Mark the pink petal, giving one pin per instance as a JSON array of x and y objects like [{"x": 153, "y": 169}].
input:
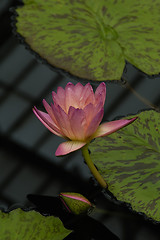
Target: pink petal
[
  {"x": 47, "y": 121},
  {"x": 50, "y": 112},
  {"x": 78, "y": 122},
  {"x": 101, "y": 93},
  {"x": 78, "y": 89},
  {"x": 69, "y": 146},
  {"x": 59, "y": 98},
  {"x": 70, "y": 97},
  {"x": 69, "y": 85},
  {"x": 110, "y": 127},
  {"x": 88, "y": 95},
  {"x": 63, "y": 121},
  {"x": 94, "y": 123},
  {"x": 91, "y": 111}
]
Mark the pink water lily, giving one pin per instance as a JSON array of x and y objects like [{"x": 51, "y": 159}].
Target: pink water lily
[{"x": 76, "y": 115}]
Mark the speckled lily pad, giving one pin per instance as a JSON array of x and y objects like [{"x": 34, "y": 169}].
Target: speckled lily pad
[
  {"x": 92, "y": 39},
  {"x": 129, "y": 161},
  {"x": 30, "y": 225}
]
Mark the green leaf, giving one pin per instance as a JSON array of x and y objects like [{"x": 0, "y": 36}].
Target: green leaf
[
  {"x": 31, "y": 225},
  {"x": 129, "y": 161},
  {"x": 92, "y": 39}
]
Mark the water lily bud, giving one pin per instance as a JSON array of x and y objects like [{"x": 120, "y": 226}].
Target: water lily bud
[{"x": 75, "y": 203}]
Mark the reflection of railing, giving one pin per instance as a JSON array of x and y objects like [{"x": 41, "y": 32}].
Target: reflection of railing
[
  {"x": 24, "y": 83},
  {"x": 27, "y": 162},
  {"x": 23, "y": 172}
]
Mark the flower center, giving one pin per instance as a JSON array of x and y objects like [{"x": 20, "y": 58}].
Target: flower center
[{"x": 106, "y": 32}]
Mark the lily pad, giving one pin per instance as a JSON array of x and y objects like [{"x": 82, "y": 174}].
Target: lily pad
[
  {"x": 129, "y": 161},
  {"x": 92, "y": 39},
  {"x": 30, "y": 225}
]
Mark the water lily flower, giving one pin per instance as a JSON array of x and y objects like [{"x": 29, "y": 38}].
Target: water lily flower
[{"x": 76, "y": 115}]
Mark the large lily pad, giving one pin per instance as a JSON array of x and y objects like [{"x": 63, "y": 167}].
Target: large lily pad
[
  {"x": 92, "y": 39},
  {"x": 31, "y": 225},
  {"x": 129, "y": 161}
]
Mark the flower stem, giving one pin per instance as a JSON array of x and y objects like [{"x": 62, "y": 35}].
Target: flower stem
[
  {"x": 142, "y": 99},
  {"x": 92, "y": 168}
]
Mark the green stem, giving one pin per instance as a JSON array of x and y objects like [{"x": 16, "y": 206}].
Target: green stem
[
  {"x": 91, "y": 166},
  {"x": 142, "y": 99}
]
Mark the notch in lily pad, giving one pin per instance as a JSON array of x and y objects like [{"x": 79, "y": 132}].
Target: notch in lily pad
[{"x": 90, "y": 39}]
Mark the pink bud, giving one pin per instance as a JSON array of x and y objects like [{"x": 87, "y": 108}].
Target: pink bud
[{"x": 75, "y": 203}]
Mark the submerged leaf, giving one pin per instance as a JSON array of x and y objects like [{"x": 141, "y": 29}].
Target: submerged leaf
[
  {"x": 129, "y": 161},
  {"x": 31, "y": 225},
  {"x": 92, "y": 39}
]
